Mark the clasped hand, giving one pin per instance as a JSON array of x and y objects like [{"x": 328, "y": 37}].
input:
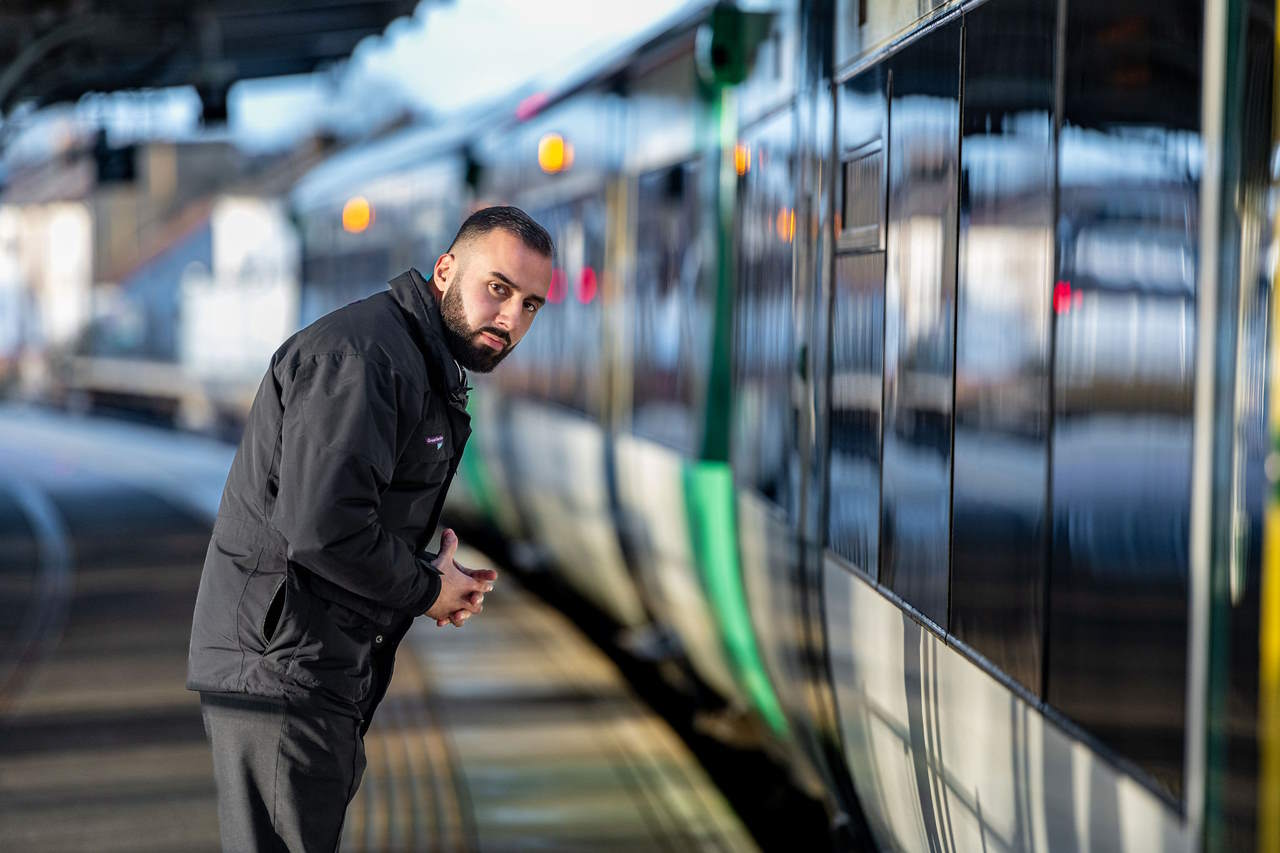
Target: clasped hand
[{"x": 461, "y": 589}]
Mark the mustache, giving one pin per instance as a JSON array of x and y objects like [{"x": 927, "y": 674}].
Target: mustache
[{"x": 497, "y": 333}]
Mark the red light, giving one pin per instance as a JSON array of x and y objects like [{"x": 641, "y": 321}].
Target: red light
[
  {"x": 530, "y": 106},
  {"x": 559, "y": 285},
  {"x": 1062, "y": 297},
  {"x": 587, "y": 285}
]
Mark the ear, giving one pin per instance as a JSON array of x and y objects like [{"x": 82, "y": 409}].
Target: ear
[{"x": 443, "y": 271}]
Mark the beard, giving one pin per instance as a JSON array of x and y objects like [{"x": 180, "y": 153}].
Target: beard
[{"x": 461, "y": 338}]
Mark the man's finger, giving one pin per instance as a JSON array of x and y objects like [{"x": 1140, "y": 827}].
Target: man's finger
[
  {"x": 481, "y": 576},
  {"x": 448, "y": 546}
]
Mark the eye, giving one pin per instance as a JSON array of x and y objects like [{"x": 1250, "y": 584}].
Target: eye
[
  {"x": 498, "y": 289},
  {"x": 531, "y": 307}
]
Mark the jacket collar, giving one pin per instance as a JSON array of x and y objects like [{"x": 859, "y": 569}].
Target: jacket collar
[{"x": 415, "y": 297}]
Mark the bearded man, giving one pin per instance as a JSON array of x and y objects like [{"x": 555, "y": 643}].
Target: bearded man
[{"x": 316, "y": 567}]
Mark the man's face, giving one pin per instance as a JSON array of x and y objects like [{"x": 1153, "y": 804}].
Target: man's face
[{"x": 492, "y": 286}]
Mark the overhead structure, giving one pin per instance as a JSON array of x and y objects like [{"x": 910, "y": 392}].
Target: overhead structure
[{"x": 57, "y": 50}]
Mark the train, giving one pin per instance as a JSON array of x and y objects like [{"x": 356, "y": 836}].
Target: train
[{"x": 908, "y": 375}]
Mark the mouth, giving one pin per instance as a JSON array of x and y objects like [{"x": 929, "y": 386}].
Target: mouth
[{"x": 492, "y": 341}]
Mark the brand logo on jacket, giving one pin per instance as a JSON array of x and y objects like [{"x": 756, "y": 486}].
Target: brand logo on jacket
[{"x": 437, "y": 440}]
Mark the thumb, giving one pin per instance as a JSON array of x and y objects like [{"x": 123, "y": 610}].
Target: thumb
[{"x": 448, "y": 546}]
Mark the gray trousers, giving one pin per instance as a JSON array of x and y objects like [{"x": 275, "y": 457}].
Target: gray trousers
[{"x": 285, "y": 773}]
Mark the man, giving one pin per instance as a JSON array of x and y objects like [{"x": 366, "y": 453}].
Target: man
[{"x": 316, "y": 567}]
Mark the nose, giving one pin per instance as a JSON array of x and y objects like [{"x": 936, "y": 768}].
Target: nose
[{"x": 508, "y": 317}]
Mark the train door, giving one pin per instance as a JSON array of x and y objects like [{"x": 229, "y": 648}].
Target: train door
[
  {"x": 555, "y": 436},
  {"x": 672, "y": 324},
  {"x": 764, "y": 433},
  {"x": 782, "y": 160}
]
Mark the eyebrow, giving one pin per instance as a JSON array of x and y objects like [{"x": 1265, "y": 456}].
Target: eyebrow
[{"x": 511, "y": 284}]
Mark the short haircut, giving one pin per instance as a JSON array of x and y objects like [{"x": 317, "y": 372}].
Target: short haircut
[{"x": 511, "y": 219}]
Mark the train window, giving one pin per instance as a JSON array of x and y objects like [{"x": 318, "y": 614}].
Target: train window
[
  {"x": 334, "y": 279},
  {"x": 1124, "y": 314},
  {"x": 670, "y": 308},
  {"x": 857, "y": 351},
  {"x": 999, "y": 545},
  {"x": 857, "y": 325},
  {"x": 919, "y": 303},
  {"x": 764, "y": 342},
  {"x": 861, "y": 223},
  {"x": 559, "y": 363}
]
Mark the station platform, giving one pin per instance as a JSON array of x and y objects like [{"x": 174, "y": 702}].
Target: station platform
[
  {"x": 515, "y": 733},
  {"x": 511, "y": 733}
]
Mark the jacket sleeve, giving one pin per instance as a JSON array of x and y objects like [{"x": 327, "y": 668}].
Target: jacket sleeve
[{"x": 338, "y": 445}]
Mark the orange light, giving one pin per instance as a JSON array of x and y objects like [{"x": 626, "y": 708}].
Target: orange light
[
  {"x": 742, "y": 158},
  {"x": 554, "y": 154},
  {"x": 785, "y": 224},
  {"x": 357, "y": 215}
]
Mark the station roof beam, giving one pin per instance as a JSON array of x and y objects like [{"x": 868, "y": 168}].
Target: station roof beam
[{"x": 57, "y": 50}]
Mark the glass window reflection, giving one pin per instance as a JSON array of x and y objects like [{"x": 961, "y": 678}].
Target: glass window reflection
[
  {"x": 560, "y": 363},
  {"x": 1002, "y": 337},
  {"x": 920, "y": 278},
  {"x": 764, "y": 358},
  {"x": 857, "y": 324},
  {"x": 853, "y": 522},
  {"x": 669, "y": 308},
  {"x": 1124, "y": 312}
]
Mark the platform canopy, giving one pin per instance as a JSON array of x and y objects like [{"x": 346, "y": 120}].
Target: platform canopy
[{"x": 57, "y": 50}]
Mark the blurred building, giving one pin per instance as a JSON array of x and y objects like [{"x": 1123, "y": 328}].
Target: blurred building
[{"x": 158, "y": 276}]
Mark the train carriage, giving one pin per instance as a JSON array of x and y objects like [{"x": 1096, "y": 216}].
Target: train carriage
[{"x": 906, "y": 374}]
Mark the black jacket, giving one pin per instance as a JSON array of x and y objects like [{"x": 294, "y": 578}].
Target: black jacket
[{"x": 316, "y": 566}]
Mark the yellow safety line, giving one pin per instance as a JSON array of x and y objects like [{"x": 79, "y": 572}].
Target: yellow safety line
[{"x": 1269, "y": 609}]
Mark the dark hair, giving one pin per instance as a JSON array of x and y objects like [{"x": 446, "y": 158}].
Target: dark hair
[{"x": 511, "y": 219}]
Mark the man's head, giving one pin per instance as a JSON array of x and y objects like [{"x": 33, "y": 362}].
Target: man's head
[{"x": 492, "y": 281}]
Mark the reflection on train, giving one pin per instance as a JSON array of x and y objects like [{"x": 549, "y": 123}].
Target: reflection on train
[{"x": 868, "y": 386}]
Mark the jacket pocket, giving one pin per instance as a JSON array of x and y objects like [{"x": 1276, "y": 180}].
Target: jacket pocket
[
  {"x": 425, "y": 462},
  {"x": 275, "y": 607},
  {"x": 334, "y": 653},
  {"x": 261, "y": 587}
]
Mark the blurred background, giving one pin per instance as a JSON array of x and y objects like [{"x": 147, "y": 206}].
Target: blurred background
[{"x": 150, "y": 255}]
